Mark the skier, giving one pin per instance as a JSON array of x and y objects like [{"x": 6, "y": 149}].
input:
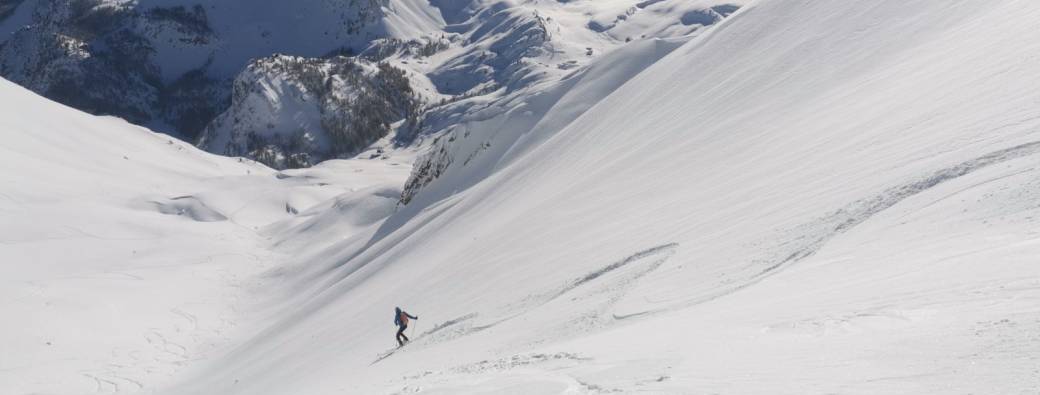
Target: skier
[{"x": 401, "y": 320}]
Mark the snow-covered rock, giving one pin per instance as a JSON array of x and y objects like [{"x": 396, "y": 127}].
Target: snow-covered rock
[
  {"x": 526, "y": 75},
  {"x": 295, "y": 112},
  {"x": 170, "y": 65},
  {"x": 180, "y": 66}
]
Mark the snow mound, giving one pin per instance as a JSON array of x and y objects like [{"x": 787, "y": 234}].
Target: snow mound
[{"x": 189, "y": 207}]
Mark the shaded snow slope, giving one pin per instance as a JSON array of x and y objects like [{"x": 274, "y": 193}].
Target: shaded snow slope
[
  {"x": 497, "y": 133},
  {"x": 518, "y": 70},
  {"x": 223, "y": 36},
  {"x": 247, "y": 31},
  {"x": 808, "y": 198}
]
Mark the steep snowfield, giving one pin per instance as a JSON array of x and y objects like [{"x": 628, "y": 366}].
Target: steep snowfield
[
  {"x": 500, "y": 131},
  {"x": 534, "y": 68},
  {"x": 808, "y": 197}
]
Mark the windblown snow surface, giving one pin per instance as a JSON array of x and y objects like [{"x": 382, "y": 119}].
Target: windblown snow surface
[{"x": 809, "y": 197}]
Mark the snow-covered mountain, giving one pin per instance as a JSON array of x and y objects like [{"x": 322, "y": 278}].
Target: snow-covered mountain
[
  {"x": 170, "y": 64},
  {"x": 295, "y": 112},
  {"x": 215, "y": 69},
  {"x": 802, "y": 197}
]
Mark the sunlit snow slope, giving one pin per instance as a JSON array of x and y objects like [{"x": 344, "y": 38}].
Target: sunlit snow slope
[
  {"x": 127, "y": 255},
  {"x": 810, "y": 197}
]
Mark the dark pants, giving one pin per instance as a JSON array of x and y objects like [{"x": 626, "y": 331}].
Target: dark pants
[{"x": 400, "y": 334}]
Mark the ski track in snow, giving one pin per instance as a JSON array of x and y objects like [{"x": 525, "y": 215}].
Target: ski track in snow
[
  {"x": 489, "y": 367},
  {"x": 664, "y": 249},
  {"x": 532, "y": 303},
  {"x": 860, "y": 211},
  {"x": 817, "y": 233},
  {"x": 501, "y": 364},
  {"x": 661, "y": 252},
  {"x": 109, "y": 382}
]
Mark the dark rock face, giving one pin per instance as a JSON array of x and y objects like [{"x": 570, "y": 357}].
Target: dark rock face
[{"x": 7, "y": 7}]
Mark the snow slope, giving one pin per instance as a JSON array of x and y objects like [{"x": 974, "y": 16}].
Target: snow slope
[
  {"x": 808, "y": 198},
  {"x": 126, "y": 254}
]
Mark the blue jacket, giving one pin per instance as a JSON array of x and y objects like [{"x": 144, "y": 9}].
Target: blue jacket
[{"x": 399, "y": 317}]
